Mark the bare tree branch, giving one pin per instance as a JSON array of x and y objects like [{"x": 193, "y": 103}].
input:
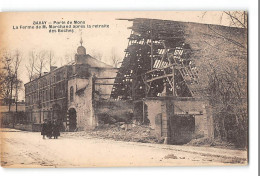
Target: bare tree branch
[
  {"x": 233, "y": 17},
  {"x": 228, "y": 39}
]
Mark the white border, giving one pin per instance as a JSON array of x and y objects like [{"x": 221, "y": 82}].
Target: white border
[{"x": 119, "y": 5}]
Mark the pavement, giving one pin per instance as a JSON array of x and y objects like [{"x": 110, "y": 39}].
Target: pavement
[{"x": 29, "y": 150}]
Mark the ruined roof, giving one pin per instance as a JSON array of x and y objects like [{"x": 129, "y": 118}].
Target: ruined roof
[
  {"x": 200, "y": 43},
  {"x": 172, "y": 30}
]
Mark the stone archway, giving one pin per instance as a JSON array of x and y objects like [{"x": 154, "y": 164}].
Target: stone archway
[{"x": 72, "y": 121}]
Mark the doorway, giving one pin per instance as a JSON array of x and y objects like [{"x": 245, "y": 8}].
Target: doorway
[
  {"x": 182, "y": 128},
  {"x": 72, "y": 122}
]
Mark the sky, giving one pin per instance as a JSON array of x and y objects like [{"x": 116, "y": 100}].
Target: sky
[{"x": 95, "y": 40}]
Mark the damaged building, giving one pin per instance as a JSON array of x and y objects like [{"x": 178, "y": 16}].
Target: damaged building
[
  {"x": 66, "y": 93},
  {"x": 159, "y": 74},
  {"x": 158, "y": 84}
]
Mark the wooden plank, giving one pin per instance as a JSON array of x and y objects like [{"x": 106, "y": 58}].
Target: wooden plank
[
  {"x": 159, "y": 77},
  {"x": 103, "y": 84},
  {"x": 108, "y": 78}
]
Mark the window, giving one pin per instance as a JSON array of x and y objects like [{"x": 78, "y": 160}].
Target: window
[
  {"x": 71, "y": 93},
  {"x": 40, "y": 96},
  {"x": 35, "y": 97},
  {"x": 47, "y": 97},
  {"x": 55, "y": 92},
  {"x": 52, "y": 93},
  {"x": 58, "y": 76}
]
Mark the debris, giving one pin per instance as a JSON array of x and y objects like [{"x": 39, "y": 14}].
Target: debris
[
  {"x": 127, "y": 132},
  {"x": 171, "y": 156}
]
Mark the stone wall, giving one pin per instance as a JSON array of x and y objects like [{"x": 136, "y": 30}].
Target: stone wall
[
  {"x": 19, "y": 121},
  {"x": 82, "y": 102},
  {"x": 13, "y": 118},
  {"x": 86, "y": 92},
  {"x": 154, "y": 112},
  {"x": 25, "y": 127},
  {"x": 179, "y": 121}
]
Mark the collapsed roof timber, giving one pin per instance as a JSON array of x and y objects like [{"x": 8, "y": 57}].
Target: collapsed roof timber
[{"x": 161, "y": 55}]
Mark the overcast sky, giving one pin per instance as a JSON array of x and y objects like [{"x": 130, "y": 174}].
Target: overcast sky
[{"x": 94, "y": 40}]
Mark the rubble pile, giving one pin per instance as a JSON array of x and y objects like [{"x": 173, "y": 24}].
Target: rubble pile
[{"x": 126, "y": 132}]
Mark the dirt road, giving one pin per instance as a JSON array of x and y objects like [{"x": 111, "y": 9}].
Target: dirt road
[{"x": 28, "y": 149}]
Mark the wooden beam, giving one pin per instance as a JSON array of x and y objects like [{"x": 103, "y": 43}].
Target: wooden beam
[
  {"x": 107, "y": 78},
  {"x": 103, "y": 84},
  {"x": 160, "y": 69},
  {"x": 159, "y": 77}
]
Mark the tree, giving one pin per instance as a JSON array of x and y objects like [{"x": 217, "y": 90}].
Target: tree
[
  {"x": 17, "y": 82},
  {"x": 225, "y": 69},
  {"x": 52, "y": 62},
  {"x": 228, "y": 97},
  {"x": 30, "y": 66},
  {"x": 9, "y": 76},
  {"x": 41, "y": 60},
  {"x": 97, "y": 55},
  {"x": 114, "y": 57},
  {"x": 237, "y": 18},
  {"x": 68, "y": 58},
  {"x": 37, "y": 63}
]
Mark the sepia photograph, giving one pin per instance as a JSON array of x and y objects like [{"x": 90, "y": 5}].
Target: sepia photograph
[{"x": 124, "y": 89}]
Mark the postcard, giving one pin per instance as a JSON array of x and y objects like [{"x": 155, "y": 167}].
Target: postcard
[{"x": 124, "y": 89}]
